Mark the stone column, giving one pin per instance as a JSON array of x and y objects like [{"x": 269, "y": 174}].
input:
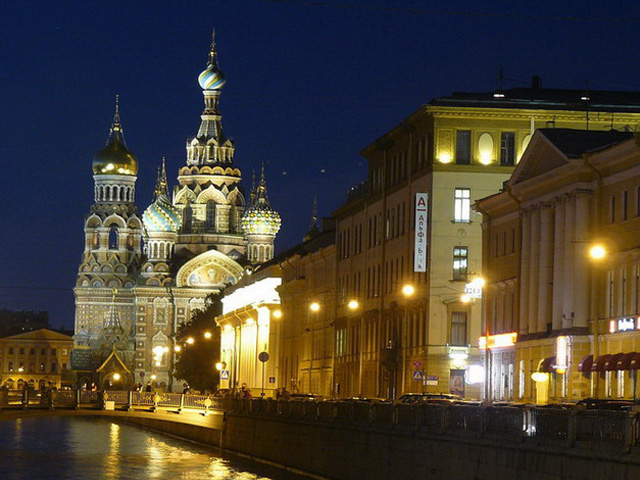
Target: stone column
[
  {"x": 525, "y": 219},
  {"x": 569, "y": 274},
  {"x": 558, "y": 265},
  {"x": 546, "y": 268},
  {"x": 534, "y": 270},
  {"x": 581, "y": 260}
]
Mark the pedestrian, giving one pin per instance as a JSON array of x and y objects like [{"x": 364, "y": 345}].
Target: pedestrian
[
  {"x": 148, "y": 387},
  {"x": 185, "y": 389}
]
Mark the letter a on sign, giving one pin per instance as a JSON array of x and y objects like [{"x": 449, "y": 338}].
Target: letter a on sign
[{"x": 420, "y": 239}]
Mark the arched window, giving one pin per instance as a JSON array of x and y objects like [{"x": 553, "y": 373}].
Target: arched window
[
  {"x": 113, "y": 238},
  {"x": 211, "y": 215}
]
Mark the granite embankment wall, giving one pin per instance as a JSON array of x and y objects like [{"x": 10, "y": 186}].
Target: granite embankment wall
[{"x": 339, "y": 452}]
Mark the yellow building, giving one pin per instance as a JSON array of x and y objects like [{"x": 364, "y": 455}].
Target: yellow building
[
  {"x": 575, "y": 309},
  {"x": 39, "y": 358},
  {"x": 448, "y": 154},
  {"x": 282, "y": 309}
]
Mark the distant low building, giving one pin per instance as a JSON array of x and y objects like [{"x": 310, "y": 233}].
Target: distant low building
[
  {"x": 13, "y": 322},
  {"x": 41, "y": 358}
]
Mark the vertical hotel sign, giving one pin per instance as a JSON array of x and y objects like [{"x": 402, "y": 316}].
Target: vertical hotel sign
[{"x": 420, "y": 239}]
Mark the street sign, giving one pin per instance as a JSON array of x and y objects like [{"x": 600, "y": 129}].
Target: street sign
[
  {"x": 141, "y": 374},
  {"x": 417, "y": 375},
  {"x": 263, "y": 357},
  {"x": 417, "y": 364},
  {"x": 224, "y": 374},
  {"x": 272, "y": 379},
  {"x": 431, "y": 380}
]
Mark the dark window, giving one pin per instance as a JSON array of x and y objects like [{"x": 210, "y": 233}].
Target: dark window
[
  {"x": 460, "y": 263},
  {"x": 21, "y": 351},
  {"x": 53, "y": 352},
  {"x": 463, "y": 147},
  {"x": 507, "y": 148},
  {"x": 43, "y": 351},
  {"x": 459, "y": 328},
  {"x": 54, "y": 367},
  {"x": 11, "y": 351},
  {"x": 211, "y": 215},
  {"x": 612, "y": 209},
  {"x": 113, "y": 238},
  {"x": 32, "y": 351},
  {"x": 625, "y": 205}
]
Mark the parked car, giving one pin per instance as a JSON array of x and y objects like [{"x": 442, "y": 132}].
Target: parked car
[
  {"x": 305, "y": 396},
  {"x": 605, "y": 404},
  {"x": 441, "y": 398}
]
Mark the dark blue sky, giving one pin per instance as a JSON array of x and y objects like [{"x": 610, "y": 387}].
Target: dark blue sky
[{"x": 309, "y": 84}]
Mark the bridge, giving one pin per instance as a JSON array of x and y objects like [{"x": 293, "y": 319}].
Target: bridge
[{"x": 340, "y": 439}]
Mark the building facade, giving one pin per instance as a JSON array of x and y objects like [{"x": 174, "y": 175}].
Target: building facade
[
  {"x": 285, "y": 309},
  {"x": 411, "y": 224},
  {"x": 146, "y": 274},
  {"x": 38, "y": 359},
  {"x": 574, "y": 308}
]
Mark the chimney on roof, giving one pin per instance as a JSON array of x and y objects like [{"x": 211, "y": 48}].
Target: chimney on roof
[{"x": 536, "y": 82}]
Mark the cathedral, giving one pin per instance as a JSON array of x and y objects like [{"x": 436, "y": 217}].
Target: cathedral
[{"x": 141, "y": 276}]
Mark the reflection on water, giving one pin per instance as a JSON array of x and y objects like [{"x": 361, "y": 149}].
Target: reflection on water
[{"x": 91, "y": 449}]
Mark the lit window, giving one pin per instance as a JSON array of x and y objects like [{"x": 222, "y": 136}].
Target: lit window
[
  {"x": 460, "y": 262},
  {"x": 462, "y": 205}
]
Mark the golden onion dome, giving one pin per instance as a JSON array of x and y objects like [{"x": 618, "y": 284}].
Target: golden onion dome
[{"x": 115, "y": 159}]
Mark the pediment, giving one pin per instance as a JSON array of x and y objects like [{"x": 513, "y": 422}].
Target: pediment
[
  {"x": 212, "y": 270},
  {"x": 540, "y": 157}
]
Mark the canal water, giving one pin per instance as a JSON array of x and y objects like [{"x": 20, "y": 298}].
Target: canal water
[{"x": 88, "y": 448}]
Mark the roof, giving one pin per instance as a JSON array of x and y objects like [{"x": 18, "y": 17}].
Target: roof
[
  {"x": 547, "y": 99},
  {"x": 575, "y": 143},
  {"x": 42, "y": 334}
]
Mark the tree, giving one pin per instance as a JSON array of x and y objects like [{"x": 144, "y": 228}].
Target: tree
[{"x": 195, "y": 362}]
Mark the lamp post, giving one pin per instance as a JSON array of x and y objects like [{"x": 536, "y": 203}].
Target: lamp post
[
  {"x": 314, "y": 307},
  {"x": 597, "y": 253},
  {"x": 407, "y": 291}
]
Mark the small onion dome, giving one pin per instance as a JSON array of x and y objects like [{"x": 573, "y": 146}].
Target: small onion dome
[
  {"x": 115, "y": 159},
  {"x": 261, "y": 220},
  {"x": 161, "y": 216},
  {"x": 212, "y": 78}
]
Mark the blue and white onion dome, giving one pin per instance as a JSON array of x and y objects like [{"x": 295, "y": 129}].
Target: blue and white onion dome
[
  {"x": 161, "y": 216},
  {"x": 260, "y": 219},
  {"x": 212, "y": 77}
]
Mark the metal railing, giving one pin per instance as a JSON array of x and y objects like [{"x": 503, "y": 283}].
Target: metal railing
[
  {"x": 577, "y": 428},
  {"x": 108, "y": 399}
]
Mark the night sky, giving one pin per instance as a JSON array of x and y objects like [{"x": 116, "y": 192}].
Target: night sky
[{"x": 309, "y": 84}]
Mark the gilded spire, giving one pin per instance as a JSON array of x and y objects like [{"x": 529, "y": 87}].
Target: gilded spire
[
  {"x": 252, "y": 195},
  {"x": 161, "y": 182},
  {"x": 261, "y": 192},
  {"x": 116, "y": 125},
  {"x": 212, "y": 51}
]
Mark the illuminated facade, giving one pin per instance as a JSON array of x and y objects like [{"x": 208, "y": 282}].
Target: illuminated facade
[
  {"x": 39, "y": 359},
  {"x": 270, "y": 311},
  {"x": 156, "y": 269},
  {"x": 575, "y": 314},
  {"x": 455, "y": 150}
]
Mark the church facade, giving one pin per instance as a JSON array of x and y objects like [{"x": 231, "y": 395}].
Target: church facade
[{"x": 143, "y": 275}]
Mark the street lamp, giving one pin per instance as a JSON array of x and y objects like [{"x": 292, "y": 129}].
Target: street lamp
[
  {"x": 207, "y": 335},
  {"x": 314, "y": 307},
  {"x": 408, "y": 291}
]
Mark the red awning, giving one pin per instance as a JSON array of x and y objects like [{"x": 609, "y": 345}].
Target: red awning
[
  {"x": 611, "y": 362},
  {"x": 585, "y": 364},
  {"x": 624, "y": 363},
  {"x": 598, "y": 364},
  {"x": 635, "y": 362},
  {"x": 547, "y": 365}
]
